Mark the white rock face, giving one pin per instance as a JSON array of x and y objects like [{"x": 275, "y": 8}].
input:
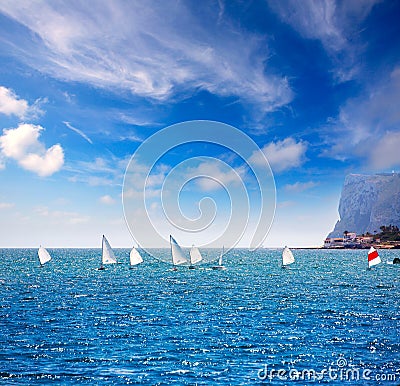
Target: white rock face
[{"x": 367, "y": 202}]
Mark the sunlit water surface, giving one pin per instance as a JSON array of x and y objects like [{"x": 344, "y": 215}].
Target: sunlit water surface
[{"x": 69, "y": 323}]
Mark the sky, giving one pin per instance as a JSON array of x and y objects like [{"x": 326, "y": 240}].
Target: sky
[{"x": 86, "y": 86}]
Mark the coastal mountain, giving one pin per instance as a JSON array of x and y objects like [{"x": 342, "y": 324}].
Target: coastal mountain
[{"x": 367, "y": 202}]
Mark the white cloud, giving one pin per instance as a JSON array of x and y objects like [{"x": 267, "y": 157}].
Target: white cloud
[
  {"x": 281, "y": 155},
  {"x": 335, "y": 24},
  {"x": 137, "y": 179},
  {"x": 22, "y": 144},
  {"x": 298, "y": 187},
  {"x": 107, "y": 200},
  {"x": 149, "y": 50},
  {"x": 10, "y": 104},
  {"x": 6, "y": 205},
  {"x": 215, "y": 175}
]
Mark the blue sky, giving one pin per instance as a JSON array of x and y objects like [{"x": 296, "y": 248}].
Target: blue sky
[{"x": 315, "y": 84}]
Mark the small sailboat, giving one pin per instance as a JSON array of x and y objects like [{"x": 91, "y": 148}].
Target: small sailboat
[
  {"x": 135, "y": 258},
  {"x": 220, "y": 266},
  {"x": 44, "y": 256},
  {"x": 373, "y": 257},
  {"x": 107, "y": 256},
  {"x": 177, "y": 254},
  {"x": 287, "y": 257},
  {"x": 195, "y": 257}
]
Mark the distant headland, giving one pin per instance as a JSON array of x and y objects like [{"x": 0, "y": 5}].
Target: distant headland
[{"x": 369, "y": 210}]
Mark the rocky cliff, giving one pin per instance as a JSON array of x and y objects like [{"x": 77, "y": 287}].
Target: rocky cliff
[{"x": 367, "y": 202}]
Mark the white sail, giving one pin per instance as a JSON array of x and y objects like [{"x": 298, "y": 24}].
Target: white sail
[
  {"x": 220, "y": 257},
  {"x": 220, "y": 266},
  {"x": 108, "y": 256},
  {"x": 44, "y": 256},
  {"x": 195, "y": 255},
  {"x": 135, "y": 257},
  {"x": 177, "y": 253},
  {"x": 287, "y": 256}
]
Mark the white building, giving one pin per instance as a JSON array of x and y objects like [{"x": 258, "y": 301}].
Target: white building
[{"x": 333, "y": 242}]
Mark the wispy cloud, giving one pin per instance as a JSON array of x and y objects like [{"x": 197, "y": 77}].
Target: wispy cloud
[
  {"x": 285, "y": 204},
  {"x": 131, "y": 138},
  {"x": 282, "y": 155},
  {"x": 135, "y": 120},
  {"x": 385, "y": 152},
  {"x": 149, "y": 51},
  {"x": 61, "y": 217},
  {"x": 6, "y": 205},
  {"x": 107, "y": 200},
  {"x": 366, "y": 127},
  {"x": 100, "y": 172},
  {"x": 298, "y": 187},
  {"x": 22, "y": 144},
  {"x": 80, "y": 132},
  {"x": 334, "y": 23}
]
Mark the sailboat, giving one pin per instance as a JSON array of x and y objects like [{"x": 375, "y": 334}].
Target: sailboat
[
  {"x": 135, "y": 258},
  {"x": 107, "y": 256},
  {"x": 373, "y": 257},
  {"x": 177, "y": 254},
  {"x": 195, "y": 257},
  {"x": 220, "y": 266},
  {"x": 287, "y": 257},
  {"x": 44, "y": 256}
]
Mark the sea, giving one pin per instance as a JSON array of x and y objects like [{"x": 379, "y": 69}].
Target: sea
[{"x": 326, "y": 319}]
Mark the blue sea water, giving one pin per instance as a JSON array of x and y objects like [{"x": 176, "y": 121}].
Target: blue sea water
[{"x": 68, "y": 323}]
